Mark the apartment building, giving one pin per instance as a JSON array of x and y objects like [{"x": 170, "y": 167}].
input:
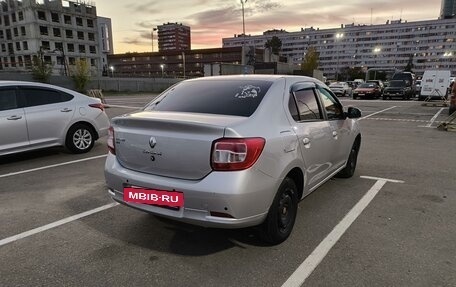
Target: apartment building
[
  {"x": 173, "y": 37},
  {"x": 58, "y": 31},
  {"x": 431, "y": 44}
]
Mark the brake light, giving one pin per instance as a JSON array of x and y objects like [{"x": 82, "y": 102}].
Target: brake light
[
  {"x": 97, "y": 106},
  {"x": 230, "y": 154},
  {"x": 110, "y": 141}
]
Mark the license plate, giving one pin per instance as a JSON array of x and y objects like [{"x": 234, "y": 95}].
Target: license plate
[
  {"x": 153, "y": 196},
  {"x": 360, "y": 94}
]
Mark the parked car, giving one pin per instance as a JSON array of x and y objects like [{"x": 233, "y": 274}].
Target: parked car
[
  {"x": 379, "y": 83},
  {"x": 340, "y": 89},
  {"x": 35, "y": 115},
  {"x": 398, "y": 89},
  {"x": 232, "y": 151},
  {"x": 407, "y": 77},
  {"x": 367, "y": 90}
]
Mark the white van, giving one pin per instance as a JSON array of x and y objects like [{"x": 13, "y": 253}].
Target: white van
[{"x": 435, "y": 84}]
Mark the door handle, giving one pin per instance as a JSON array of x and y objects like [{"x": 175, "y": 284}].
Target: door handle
[
  {"x": 14, "y": 118},
  {"x": 306, "y": 141},
  {"x": 334, "y": 134},
  {"x": 66, "y": 110}
]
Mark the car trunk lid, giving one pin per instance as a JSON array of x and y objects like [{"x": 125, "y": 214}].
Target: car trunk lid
[{"x": 170, "y": 144}]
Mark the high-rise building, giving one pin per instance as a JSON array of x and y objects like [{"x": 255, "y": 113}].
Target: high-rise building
[
  {"x": 448, "y": 9},
  {"x": 173, "y": 37},
  {"x": 428, "y": 44},
  {"x": 105, "y": 41},
  {"x": 58, "y": 31}
]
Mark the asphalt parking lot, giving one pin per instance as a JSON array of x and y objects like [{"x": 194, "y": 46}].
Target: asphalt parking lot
[{"x": 392, "y": 224}]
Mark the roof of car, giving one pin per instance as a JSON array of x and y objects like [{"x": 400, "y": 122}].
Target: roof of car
[{"x": 254, "y": 77}]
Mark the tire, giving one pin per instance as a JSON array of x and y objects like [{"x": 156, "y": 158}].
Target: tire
[
  {"x": 282, "y": 214},
  {"x": 350, "y": 168},
  {"x": 384, "y": 98},
  {"x": 355, "y": 97},
  {"x": 80, "y": 138}
]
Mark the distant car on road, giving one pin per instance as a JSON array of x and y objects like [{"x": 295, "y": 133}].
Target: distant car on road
[
  {"x": 398, "y": 89},
  {"x": 367, "y": 90},
  {"x": 232, "y": 151},
  {"x": 340, "y": 89},
  {"x": 379, "y": 83},
  {"x": 35, "y": 115}
]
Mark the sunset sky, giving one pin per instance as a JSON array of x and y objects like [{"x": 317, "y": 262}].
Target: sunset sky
[{"x": 211, "y": 20}]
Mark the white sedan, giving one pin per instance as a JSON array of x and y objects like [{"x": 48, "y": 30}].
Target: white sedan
[
  {"x": 340, "y": 89},
  {"x": 35, "y": 115}
]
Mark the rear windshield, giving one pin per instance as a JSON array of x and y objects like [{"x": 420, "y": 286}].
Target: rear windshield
[
  {"x": 222, "y": 97},
  {"x": 368, "y": 85},
  {"x": 402, "y": 77}
]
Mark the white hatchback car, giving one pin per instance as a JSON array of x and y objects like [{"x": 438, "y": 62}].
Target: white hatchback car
[{"x": 35, "y": 115}]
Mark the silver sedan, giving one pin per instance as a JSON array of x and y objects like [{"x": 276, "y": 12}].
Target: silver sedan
[
  {"x": 35, "y": 115},
  {"x": 232, "y": 151}
]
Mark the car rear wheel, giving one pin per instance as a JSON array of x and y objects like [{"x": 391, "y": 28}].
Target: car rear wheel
[
  {"x": 350, "y": 168},
  {"x": 80, "y": 138},
  {"x": 282, "y": 214}
]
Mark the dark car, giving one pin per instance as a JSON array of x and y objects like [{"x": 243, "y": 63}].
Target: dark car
[
  {"x": 407, "y": 77},
  {"x": 367, "y": 90},
  {"x": 398, "y": 89}
]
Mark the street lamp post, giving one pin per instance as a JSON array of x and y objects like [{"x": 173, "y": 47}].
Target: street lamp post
[
  {"x": 376, "y": 51},
  {"x": 162, "y": 67},
  {"x": 183, "y": 62},
  {"x": 243, "y": 32},
  {"x": 338, "y": 37},
  {"x": 112, "y": 70},
  {"x": 152, "y": 34}
]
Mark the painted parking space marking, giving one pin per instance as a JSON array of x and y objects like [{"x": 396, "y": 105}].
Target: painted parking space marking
[
  {"x": 319, "y": 253},
  {"x": 431, "y": 122},
  {"x": 122, "y": 107},
  {"x": 376, "y": 113},
  {"x": 55, "y": 224},
  {"x": 401, "y": 120},
  {"x": 52, "y": 166}
]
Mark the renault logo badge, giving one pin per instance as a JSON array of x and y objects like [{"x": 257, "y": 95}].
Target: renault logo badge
[{"x": 152, "y": 142}]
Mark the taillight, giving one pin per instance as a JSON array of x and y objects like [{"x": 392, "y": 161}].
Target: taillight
[
  {"x": 110, "y": 141},
  {"x": 97, "y": 106},
  {"x": 230, "y": 154}
]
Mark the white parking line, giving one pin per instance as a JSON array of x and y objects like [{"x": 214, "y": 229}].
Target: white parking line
[
  {"x": 55, "y": 224},
  {"x": 123, "y": 107},
  {"x": 52, "y": 165},
  {"x": 319, "y": 253},
  {"x": 434, "y": 118},
  {"x": 376, "y": 113}
]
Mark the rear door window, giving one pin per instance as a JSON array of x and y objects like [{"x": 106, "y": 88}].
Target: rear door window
[
  {"x": 303, "y": 105},
  {"x": 223, "y": 97},
  {"x": 38, "y": 96},
  {"x": 8, "y": 99}
]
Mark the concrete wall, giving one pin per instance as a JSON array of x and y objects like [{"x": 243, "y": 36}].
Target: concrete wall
[{"x": 104, "y": 83}]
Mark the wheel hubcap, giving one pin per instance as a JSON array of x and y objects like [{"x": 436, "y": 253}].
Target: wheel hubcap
[
  {"x": 82, "y": 139},
  {"x": 285, "y": 213}
]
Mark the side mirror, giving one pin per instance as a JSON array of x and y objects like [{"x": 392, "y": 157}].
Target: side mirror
[{"x": 353, "y": 113}]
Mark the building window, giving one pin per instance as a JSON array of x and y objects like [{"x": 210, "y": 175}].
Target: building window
[
  {"x": 1, "y": 34},
  {"x": 13, "y": 18},
  {"x": 45, "y": 45},
  {"x": 80, "y": 35},
  {"x": 48, "y": 60},
  {"x": 93, "y": 50},
  {"x": 25, "y": 45},
  {"x": 70, "y": 47},
  {"x": 71, "y": 60},
  {"x": 23, "y": 33},
  {"x": 90, "y": 23},
  {"x": 78, "y": 21},
  {"x": 13, "y": 62},
  {"x": 69, "y": 34},
  {"x": 28, "y": 61},
  {"x": 58, "y": 46},
  {"x": 3, "y": 47},
  {"x": 92, "y": 62},
  {"x": 8, "y": 34},
  {"x": 82, "y": 49},
  {"x": 6, "y": 20},
  {"x": 44, "y": 30},
  {"x": 18, "y": 46},
  {"x": 67, "y": 19},
  {"x": 56, "y": 32},
  {"x": 5, "y": 62},
  {"x": 20, "y": 61},
  {"x": 20, "y": 15},
  {"x": 41, "y": 15},
  {"x": 55, "y": 17},
  {"x": 91, "y": 36}
]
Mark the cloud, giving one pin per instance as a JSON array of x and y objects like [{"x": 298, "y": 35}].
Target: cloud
[{"x": 148, "y": 7}]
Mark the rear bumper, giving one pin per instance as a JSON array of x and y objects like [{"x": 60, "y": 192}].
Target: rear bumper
[{"x": 245, "y": 195}]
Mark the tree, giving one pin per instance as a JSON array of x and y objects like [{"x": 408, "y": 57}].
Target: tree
[
  {"x": 310, "y": 61},
  {"x": 81, "y": 74},
  {"x": 41, "y": 70},
  {"x": 274, "y": 45},
  {"x": 409, "y": 66}
]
